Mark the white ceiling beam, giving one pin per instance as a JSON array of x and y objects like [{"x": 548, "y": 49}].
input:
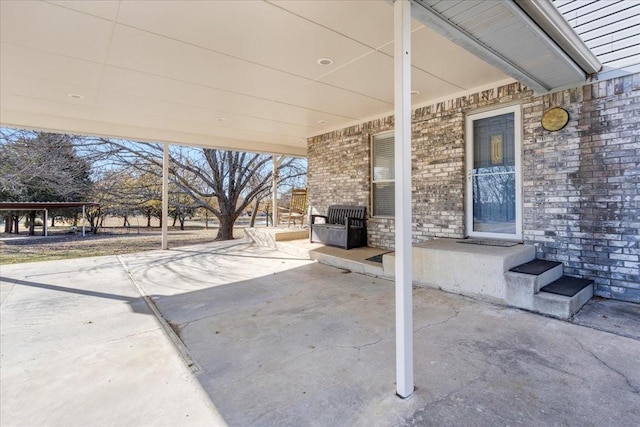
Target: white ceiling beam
[{"x": 24, "y": 120}]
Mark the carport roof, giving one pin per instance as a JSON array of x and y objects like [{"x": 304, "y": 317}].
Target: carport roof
[
  {"x": 26, "y": 206},
  {"x": 248, "y": 75}
]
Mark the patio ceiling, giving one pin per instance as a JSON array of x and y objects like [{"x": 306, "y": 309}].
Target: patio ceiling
[{"x": 245, "y": 74}]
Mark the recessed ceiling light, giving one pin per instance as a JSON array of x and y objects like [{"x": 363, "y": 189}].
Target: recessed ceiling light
[
  {"x": 322, "y": 122},
  {"x": 75, "y": 96},
  {"x": 325, "y": 61},
  {"x": 415, "y": 92}
]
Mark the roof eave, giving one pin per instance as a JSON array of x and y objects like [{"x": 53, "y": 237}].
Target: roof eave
[
  {"x": 422, "y": 12},
  {"x": 547, "y": 16},
  {"x": 547, "y": 26}
]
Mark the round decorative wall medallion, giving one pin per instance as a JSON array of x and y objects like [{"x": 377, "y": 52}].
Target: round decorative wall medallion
[{"x": 555, "y": 119}]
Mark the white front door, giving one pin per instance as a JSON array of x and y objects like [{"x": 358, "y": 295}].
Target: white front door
[{"x": 493, "y": 196}]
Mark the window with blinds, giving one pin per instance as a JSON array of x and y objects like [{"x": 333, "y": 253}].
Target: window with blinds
[{"x": 383, "y": 175}]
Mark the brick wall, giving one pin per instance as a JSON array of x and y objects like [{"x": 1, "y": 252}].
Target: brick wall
[
  {"x": 581, "y": 191},
  {"x": 339, "y": 166},
  {"x": 339, "y": 172},
  {"x": 438, "y": 170},
  {"x": 582, "y": 184}
]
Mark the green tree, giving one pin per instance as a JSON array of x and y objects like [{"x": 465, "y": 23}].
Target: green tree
[{"x": 41, "y": 167}]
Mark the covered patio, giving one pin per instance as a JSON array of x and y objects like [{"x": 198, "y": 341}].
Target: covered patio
[
  {"x": 276, "y": 339},
  {"x": 230, "y": 75}
]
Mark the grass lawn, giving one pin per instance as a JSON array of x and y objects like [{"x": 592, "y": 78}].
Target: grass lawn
[{"x": 61, "y": 244}]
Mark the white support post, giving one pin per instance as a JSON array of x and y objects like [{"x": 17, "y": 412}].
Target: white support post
[
  {"x": 277, "y": 161},
  {"x": 403, "y": 248},
  {"x": 46, "y": 219},
  {"x": 84, "y": 216},
  {"x": 165, "y": 196}
]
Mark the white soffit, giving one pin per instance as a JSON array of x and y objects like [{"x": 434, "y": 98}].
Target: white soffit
[
  {"x": 229, "y": 74},
  {"x": 504, "y": 35}
]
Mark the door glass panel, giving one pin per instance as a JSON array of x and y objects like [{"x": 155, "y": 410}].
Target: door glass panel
[{"x": 494, "y": 175}]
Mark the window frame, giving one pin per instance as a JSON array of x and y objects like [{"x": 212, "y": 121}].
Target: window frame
[{"x": 373, "y": 181}]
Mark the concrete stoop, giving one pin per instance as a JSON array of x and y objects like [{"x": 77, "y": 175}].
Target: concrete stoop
[
  {"x": 354, "y": 260},
  {"x": 279, "y": 238},
  {"x": 509, "y": 275},
  {"x": 461, "y": 268},
  {"x": 269, "y": 236},
  {"x": 542, "y": 291}
]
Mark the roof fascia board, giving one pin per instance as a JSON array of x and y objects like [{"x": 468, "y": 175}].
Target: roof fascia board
[
  {"x": 431, "y": 18},
  {"x": 545, "y": 14}
]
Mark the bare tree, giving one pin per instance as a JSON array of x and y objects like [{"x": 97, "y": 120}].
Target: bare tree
[{"x": 223, "y": 182}]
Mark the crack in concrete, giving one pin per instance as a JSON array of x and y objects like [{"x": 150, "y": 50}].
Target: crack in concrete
[
  {"x": 453, "y": 316},
  {"x": 359, "y": 347},
  {"x": 633, "y": 388},
  {"x": 262, "y": 415},
  {"x": 453, "y": 398},
  {"x": 300, "y": 356},
  {"x": 6, "y": 297},
  {"x": 416, "y": 419},
  {"x": 252, "y": 374},
  {"x": 370, "y": 344}
]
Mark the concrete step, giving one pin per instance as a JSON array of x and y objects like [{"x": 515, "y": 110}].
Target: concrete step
[
  {"x": 567, "y": 286},
  {"x": 270, "y": 236},
  {"x": 563, "y": 306},
  {"x": 285, "y": 240},
  {"x": 294, "y": 248},
  {"x": 469, "y": 269},
  {"x": 525, "y": 280},
  {"x": 354, "y": 260},
  {"x": 540, "y": 286},
  {"x": 535, "y": 267}
]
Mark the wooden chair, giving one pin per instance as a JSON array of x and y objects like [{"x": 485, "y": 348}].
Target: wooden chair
[{"x": 297, "y": 209}]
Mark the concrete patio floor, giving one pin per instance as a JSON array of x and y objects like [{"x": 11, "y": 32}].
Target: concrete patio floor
[{"x": 278, "y": 340}]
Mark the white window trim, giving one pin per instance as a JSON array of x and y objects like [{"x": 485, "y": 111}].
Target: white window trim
[
  {"x": 517, "y": 129},
  {"x": 372, "y": 181}
]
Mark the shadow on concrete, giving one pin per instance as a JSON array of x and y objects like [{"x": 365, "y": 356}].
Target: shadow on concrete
[
  {"x": 285, "y": 341},
  {"x": 70, "y": 290},
  {"x": 282, "y": 341}
]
